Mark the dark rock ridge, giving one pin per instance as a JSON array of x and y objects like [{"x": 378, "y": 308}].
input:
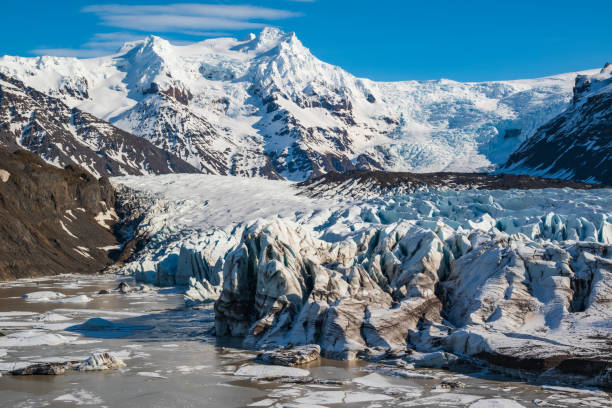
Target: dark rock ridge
[
  {"x": 95, "y": 362},
  {"x": 577, "y": 144},
  {"x": 359, "y": 184},
  {"x": 52, "y": 220},
  {"x": 62, "y": 136}
]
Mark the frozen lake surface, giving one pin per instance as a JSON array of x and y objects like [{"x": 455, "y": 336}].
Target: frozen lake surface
[{"x": 173, "y": 360}]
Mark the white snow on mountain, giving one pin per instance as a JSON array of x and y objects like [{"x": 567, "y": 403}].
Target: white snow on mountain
[{"x": 266, "y": 106}]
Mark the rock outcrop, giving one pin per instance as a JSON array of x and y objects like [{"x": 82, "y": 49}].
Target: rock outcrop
[
  {"x": 291, "y": 356},
  {"x": 365, "y": 184},
  {"x": 53, "y": 220},
  {"x": 64, "y": 136},
  {"x": 95, "y": 362},
  {"x": 577, "y": 144}
]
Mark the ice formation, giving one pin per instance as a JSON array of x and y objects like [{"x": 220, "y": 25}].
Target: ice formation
[{"x": 514, "y": 278}]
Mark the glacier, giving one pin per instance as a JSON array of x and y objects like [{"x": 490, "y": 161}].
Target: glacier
[
  {"x": 518, "y": 280},
  {"x": 265, "y": 106}
]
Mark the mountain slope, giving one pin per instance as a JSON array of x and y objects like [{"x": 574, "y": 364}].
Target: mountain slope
[
  {"x": 577, "y": 144},
  {"x": 61, "y": 135},
  {"x": 265, "y": 106},
  {"x": 52, "y": 220}
]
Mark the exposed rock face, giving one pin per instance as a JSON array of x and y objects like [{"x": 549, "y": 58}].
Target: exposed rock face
[
  {"x": 53, "y": 221},
  {"x": 364, "y": 184},
  {"x": 95, "y": 362},
  {"x": 291, "y": 356},
  {"x": 577, "y": 144},
  {"x": 68, "y": 136},
  {"x": 45, "y": 369},
  {"x": 473, "y": 294}
]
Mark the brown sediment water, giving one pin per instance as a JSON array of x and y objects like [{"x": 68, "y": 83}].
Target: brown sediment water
[{"x": 173, "y": 360}]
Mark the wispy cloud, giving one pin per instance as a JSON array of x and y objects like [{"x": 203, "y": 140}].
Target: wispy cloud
[
  {"x": 110, "y": 41},
  {"x": 69, "y": 52},
  {"x": 181, "y": 17},
  {"x": 98, "y": 45},
  {"x": 133, "y": 22}
]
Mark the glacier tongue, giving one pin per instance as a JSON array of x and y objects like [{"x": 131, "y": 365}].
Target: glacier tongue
[{"x": 512, "y": 277}]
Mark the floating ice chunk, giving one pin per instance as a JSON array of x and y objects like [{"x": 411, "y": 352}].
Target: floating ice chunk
[
  {"x": 12, "y": 324},
  {"x": 150, "y": 374},
  {"x": 437, "y": 359},
  {"x": 270, "y": 371},
  {"x": 30, "y": 338},
  {"x": 496, "y": 403},
  {"x": 340, "y": 397},
  {"x": 190, "y": 369},
  {"x": 16, "y": 314},
  {"x": 101, "y": 361},
  {"x": 262, "y": 403},
  {"x": 443, "y": 400},
  {"x": 52, "y": 317},
  {"x": 75, "y": 299},
  {"x": 354, "y": 397},
  {"x": 572, "y": 390},
  {"x": 399, "y": 372},
  {"x": 43, "y": 296},
  {"x": 373, "y": 380},
  {"x": 14, "y": 365},
  {"x": 376, "y": 380},
  {"x": 80, "y": 397},
  {"x": 99, "y": 312}
]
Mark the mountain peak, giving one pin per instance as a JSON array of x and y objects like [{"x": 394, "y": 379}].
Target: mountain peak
[
  {"x": 249, "y": 37},
  {"x": 151, "y": 43},
  {"x": 156, "y": 44},
  {"x": 271, "y": 34},
  {"x": 267, "y": 39}
]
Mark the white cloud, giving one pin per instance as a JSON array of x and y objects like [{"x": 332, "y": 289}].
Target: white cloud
[
  {"x": 70, "y": 52},
  {"x": 136, "y": 21},
  {"x": 180, "y": 17},
  {"x": 111, "y": 41}
]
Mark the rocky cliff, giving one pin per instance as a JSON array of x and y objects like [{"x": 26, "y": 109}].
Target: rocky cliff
[
  {"x": 577, "y": 144},
  {"x": 52, "y": 220},
  {"x": 65, "y": 136}
]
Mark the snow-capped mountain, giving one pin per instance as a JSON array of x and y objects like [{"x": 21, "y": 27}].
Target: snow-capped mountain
[
  {"x": 62, "y": 135},
  {"x": 264, "y": 105},
  {"x": 577, "y": 144}
]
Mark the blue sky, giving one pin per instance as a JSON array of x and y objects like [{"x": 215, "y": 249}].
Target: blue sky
[{"x": 465, "y": 40}]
